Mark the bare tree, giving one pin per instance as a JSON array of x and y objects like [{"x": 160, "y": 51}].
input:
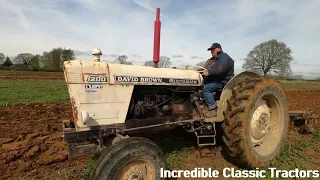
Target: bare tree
[
  {"x": 2, "y": 58},
  {"x": 24, "y": 58},
  {"x": 122, "y": 60},
  {"x": 269, "y": 57},
  {"x": 164, "y": 62},
  {"x": 148, "y": 63}
]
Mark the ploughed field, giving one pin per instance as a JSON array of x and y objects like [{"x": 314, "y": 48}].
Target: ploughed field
[
  {"x": 22, "y": 75},
  {"x": 32, "y": 146}
]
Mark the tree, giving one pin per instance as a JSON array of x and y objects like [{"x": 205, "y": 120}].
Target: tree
[
  {"x": 23, "y": 58},
  {"x": 149, "y": 63},
  {"x": 8, "y": 62},
  {"x": 122, "y": 60},
  {"x": 67, "y": 55},
  {"x": 164, "y": 62},
  {"x": 54, "y": 59},
  {"x": 2, "y": 58},
  {"x": 269, "y": 57},
  {"x": 35, "y": 63}
]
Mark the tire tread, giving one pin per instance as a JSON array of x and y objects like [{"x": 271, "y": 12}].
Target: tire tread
[{"x": 233, "y": 128}]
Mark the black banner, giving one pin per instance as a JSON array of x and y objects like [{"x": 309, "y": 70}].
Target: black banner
[{"x": 132, "y": 79}]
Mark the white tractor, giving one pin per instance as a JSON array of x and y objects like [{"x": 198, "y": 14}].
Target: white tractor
[{"x": 112, "y": 103}]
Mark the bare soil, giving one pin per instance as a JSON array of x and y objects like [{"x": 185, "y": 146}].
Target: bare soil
[
  {"x": 31, "y": 142},
  {"x": 32, "y": 146}
]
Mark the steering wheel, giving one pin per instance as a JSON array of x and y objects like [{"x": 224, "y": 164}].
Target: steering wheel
[{"x": 190, "y": 67}]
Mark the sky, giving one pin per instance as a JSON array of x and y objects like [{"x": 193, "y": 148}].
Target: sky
[{"x": 188, "y": 28}]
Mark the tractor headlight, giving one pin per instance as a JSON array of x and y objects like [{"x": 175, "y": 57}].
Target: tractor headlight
[{"x": 85, "y": 117}]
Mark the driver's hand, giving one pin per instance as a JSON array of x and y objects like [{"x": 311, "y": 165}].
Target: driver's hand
[{"x": 205, "y": 73}]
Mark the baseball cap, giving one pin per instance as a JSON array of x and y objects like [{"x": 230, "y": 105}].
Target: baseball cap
[{"x": 214, "y": 45}]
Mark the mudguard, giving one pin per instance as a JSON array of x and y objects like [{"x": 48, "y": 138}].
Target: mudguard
[{"x": 227, "y": 92}]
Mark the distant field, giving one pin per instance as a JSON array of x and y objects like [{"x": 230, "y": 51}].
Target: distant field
[
  {"x": 300, "y": 85},
  {"x": 20, "y": 92},
  {"x": 21, "y": 87},
  {"x": 30, "y": 75}
]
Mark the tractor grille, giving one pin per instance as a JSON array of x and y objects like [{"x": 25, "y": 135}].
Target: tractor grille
[{"x": 74, "y": 77}]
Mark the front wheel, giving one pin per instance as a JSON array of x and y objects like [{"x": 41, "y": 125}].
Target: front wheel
[
  {"x": 256, "y": 122},
  {"x": 129, "y": 159}
]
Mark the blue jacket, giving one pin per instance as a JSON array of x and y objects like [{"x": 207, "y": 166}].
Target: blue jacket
[{"x": 221, "y": 68}]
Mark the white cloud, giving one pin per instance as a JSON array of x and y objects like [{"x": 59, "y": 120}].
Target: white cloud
[{"x": 126, "y": 27}]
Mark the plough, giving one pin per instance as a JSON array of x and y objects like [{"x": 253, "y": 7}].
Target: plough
[{"x": 305, "y": 119}]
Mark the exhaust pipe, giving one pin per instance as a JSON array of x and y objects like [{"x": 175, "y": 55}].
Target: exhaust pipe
[{"x": 156, "y": 45}]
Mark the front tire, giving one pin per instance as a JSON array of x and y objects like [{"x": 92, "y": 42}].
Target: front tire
[
  {"x": 130, "y": 158},
  {"x": 256, "y": 122}
]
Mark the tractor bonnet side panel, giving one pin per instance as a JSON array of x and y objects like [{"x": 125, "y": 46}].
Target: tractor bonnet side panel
[
  {"x": 95, "y": 101},
  {"x": 144, "y": 75}
]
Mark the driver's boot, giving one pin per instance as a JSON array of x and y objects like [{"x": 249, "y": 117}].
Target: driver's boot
[{"x": 211, "y": 113}]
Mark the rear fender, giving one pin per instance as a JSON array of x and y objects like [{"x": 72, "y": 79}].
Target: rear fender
[{"x": 227, "y": 92}]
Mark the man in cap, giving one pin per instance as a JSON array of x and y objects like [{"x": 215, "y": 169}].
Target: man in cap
[{"x": 219, "y": 70}]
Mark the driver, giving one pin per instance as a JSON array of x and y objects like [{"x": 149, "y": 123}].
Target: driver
[{"x": 219, "y": 70}]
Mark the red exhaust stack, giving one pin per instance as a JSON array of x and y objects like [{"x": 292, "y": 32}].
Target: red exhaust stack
[{"x": 156, "y": 45}]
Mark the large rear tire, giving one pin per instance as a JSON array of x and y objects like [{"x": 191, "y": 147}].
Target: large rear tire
[
  {"x": 129, "y": 159},
  {"x": 256, "y": 122}
]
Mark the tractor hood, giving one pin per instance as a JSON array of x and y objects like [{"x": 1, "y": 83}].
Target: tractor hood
[
  {"x": 100, "y": 92},
  {"x": 80, "y": 71}
]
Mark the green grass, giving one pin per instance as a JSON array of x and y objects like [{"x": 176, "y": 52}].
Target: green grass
[
  {"x": 21, "y": 92},
  {"x": 316, "y": 134},
  {"x": 293, "y": 156},
  {"x": 90, "y": 166},
  {"x": 174, "y": 158}
]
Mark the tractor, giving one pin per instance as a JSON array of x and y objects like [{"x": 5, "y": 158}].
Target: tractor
[{"x": 113, "y": 104}]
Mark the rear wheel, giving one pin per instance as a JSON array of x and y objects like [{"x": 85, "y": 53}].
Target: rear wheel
[
  {"x": 256, "y": 122},
  {"x": 132, "y": 158}
]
